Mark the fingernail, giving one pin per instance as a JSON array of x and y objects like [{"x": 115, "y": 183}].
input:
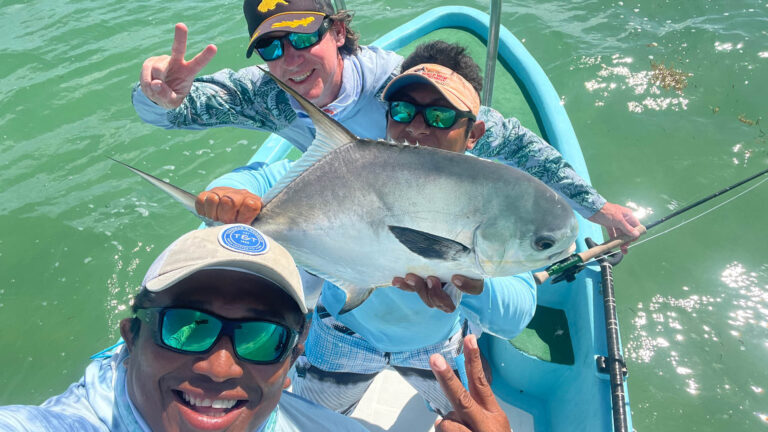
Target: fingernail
[
  {"x": 429, "y": 282},
  {"x": 472, "y": 341},
  {"x": 440, "y": 363},
  {"x": 410, "y": 282},
  {"x": 155, "y": 86},
  {"x": 457, "y": 282}
]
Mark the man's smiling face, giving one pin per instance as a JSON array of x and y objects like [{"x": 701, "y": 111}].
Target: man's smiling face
[
  {"x": 314, "y": 72},
  {"x": 213, "y": 390},
  {"x": 455, "y": 139}
]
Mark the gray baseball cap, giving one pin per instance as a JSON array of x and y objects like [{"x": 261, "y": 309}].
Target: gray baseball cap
[{"x": 236, "y": 247}]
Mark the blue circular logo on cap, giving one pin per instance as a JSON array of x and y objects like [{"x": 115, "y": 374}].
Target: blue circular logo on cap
[{"x": 244, "y": 239}]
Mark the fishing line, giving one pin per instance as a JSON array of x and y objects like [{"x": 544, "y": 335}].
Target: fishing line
[{"x": 684, "y": 222}]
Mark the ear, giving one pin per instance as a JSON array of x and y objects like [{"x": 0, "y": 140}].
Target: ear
[
  {"x": 286, "y": 383},
  {"x": 298, "y": 350},
  {"x": 478, "y": 129},
  {"x": 339, "y": 33},
  {"x": 128, "y": 333}
]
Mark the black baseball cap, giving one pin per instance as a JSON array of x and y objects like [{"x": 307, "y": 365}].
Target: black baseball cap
[{"x": 296, "y": 16}]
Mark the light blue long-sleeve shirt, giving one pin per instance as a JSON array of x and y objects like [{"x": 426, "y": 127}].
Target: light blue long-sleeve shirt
[{"x": 99, "y": 402}]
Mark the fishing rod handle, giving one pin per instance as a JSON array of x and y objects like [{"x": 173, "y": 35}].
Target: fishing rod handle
[
  {"x": 587, "y": 255},
  {"x": 609, "y": 245},
  {"x": 540, "y": 277}
]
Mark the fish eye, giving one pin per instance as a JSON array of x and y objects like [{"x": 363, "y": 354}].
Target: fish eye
[{"x": 543, "y": 243}]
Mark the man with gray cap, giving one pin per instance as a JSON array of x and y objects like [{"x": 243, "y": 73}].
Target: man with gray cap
[{"x": 218, "y": 323}]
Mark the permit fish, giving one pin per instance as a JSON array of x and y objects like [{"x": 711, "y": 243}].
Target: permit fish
[{"x": 358, "y": 212}]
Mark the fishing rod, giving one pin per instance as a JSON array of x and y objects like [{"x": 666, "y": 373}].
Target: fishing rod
[
  {"x": 612, "y": 364},
  {"x": 567, "y": 268}
]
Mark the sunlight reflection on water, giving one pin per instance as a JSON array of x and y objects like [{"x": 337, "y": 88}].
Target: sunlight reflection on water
[
  {"x": 692, "y": 321},
  {"x": 617, "y": 75}
]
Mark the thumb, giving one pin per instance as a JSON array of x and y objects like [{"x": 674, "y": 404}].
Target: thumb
[
  {"x": 165, "y": 96},
  {"x": 467, "y": 285}
]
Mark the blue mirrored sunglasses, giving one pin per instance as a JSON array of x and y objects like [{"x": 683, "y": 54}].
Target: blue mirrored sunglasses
[{"x": 271, "y": 49}]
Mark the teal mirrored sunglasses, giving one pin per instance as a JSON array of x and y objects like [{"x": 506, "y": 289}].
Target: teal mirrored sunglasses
[
  {"x": 272, "y": 48},
  {"x": 192, "y": 331},
  {"x": 434, "y": 116}
]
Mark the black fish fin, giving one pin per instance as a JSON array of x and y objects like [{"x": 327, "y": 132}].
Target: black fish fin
[
  {"x": 428, "y": 245},
  {"x": 355, "y": 297}
]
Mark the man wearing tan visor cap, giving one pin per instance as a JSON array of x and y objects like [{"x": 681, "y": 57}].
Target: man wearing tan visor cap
[{"x": 432, "y": 105}]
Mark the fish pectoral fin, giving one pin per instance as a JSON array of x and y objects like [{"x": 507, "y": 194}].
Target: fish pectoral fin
[
  {"x": 355, "y": 297},
  {"x": 428, "y": 245}
]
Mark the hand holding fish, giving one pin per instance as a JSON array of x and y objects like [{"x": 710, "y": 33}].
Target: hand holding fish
[
  {"x": 431, "y": 289},
  {"x": 167, "y": 80},
  {"x": 617, "y": 220},
  {"x": 228, "y": 205},
  {"x": 473, "y": 410}
]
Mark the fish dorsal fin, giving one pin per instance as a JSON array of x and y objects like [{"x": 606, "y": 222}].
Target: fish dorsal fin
[
  {"x": 329, "y": 135},
  {"x": 429, "y": 246}
]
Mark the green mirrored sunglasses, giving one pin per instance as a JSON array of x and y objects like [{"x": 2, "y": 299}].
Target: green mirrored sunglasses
[
  {"x": 193, "y": 331},
  {"x": 434, "y": 116}
]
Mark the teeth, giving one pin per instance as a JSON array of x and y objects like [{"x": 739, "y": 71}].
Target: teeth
[
  {"x": 216, "y": 403},
  {"x": 301, "y": 77},
  {"x": 223, "y": 403}
]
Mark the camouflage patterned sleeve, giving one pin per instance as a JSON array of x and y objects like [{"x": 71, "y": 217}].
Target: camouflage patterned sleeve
[
  {"x": 507, "y": 141},
  {"x": 245, "y": 99}
]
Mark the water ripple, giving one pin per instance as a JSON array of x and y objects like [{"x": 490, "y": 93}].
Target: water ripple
[
  {"x": 696, "y": 325},
  {"x": 640, "y": 89}
]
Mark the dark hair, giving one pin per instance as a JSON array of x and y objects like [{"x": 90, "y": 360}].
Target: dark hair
[
  {"x": 452, "y": 56},
  {"x": 351, "y": 45},
  {"x": 141, "y": 300}
]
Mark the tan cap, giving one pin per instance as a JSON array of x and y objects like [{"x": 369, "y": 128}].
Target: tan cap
[
  {"x": 236, "y": 247},
  {"x": 450, "y": 84}
]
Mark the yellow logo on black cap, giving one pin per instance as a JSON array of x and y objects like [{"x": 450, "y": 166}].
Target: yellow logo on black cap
[
  {"x": 295, "y": 23},
  {"x": 268, "y": 5}
]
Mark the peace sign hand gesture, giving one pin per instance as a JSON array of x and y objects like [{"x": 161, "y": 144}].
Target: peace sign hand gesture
[
  {"x": 475, "y": 410},
  {"x": 166, "y": 80}
]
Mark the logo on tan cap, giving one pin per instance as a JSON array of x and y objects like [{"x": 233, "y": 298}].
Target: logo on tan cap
[{"x": 243, "y": 239}]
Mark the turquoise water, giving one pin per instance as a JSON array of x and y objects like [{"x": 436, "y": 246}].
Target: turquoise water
[{"x": 78, "y": 232}]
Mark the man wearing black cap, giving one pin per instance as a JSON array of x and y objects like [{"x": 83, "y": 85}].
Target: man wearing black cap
[{"x": 314, "y": 51}]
